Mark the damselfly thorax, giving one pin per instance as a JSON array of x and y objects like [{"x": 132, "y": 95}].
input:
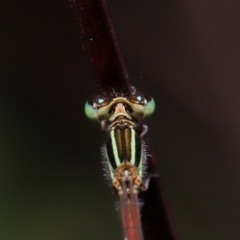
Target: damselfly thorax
[{"x": 124, "y": 152}]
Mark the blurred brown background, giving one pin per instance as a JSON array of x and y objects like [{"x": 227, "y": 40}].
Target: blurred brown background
[{"x": 186, "y": 54}]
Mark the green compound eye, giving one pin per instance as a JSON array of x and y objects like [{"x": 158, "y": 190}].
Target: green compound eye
[
  {"x": 149, "y": 107},
  {"x": 90, "y": 111}
]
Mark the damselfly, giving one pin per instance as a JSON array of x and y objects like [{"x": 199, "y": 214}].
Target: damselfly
[{"x": 124, "y": 153}]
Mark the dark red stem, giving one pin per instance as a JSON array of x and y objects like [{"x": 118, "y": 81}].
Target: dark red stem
[
  {"x": 101, "y": 45},
  {"x": 157, "y": 222}
]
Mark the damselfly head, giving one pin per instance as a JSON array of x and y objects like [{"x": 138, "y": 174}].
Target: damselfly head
[{"x": 136, "y": 106}]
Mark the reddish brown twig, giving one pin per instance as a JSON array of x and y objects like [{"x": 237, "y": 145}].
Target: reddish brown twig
[
  {"x": 157, "y": 223},
  {"x": 111, "y": 76},
  {"x": 101, "y": 45}
]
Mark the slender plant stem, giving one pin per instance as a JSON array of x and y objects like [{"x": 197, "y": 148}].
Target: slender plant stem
[
  {"x": 101, "y": 45},
  {"x": 111, "y": 76},
  {"x": 157, "y": 222}
]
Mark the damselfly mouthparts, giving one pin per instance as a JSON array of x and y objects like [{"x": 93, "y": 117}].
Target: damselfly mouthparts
[{"x": 121, "y": 117}]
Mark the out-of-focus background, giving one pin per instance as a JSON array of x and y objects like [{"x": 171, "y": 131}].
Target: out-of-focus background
[{"x": 186, "y": 54}]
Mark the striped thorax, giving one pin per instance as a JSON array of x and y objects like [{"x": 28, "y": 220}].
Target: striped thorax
[{"x": 124, "y": 151}]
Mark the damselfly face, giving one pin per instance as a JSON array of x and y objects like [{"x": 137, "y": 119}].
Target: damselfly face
[{"x": 136, "y": 106}]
